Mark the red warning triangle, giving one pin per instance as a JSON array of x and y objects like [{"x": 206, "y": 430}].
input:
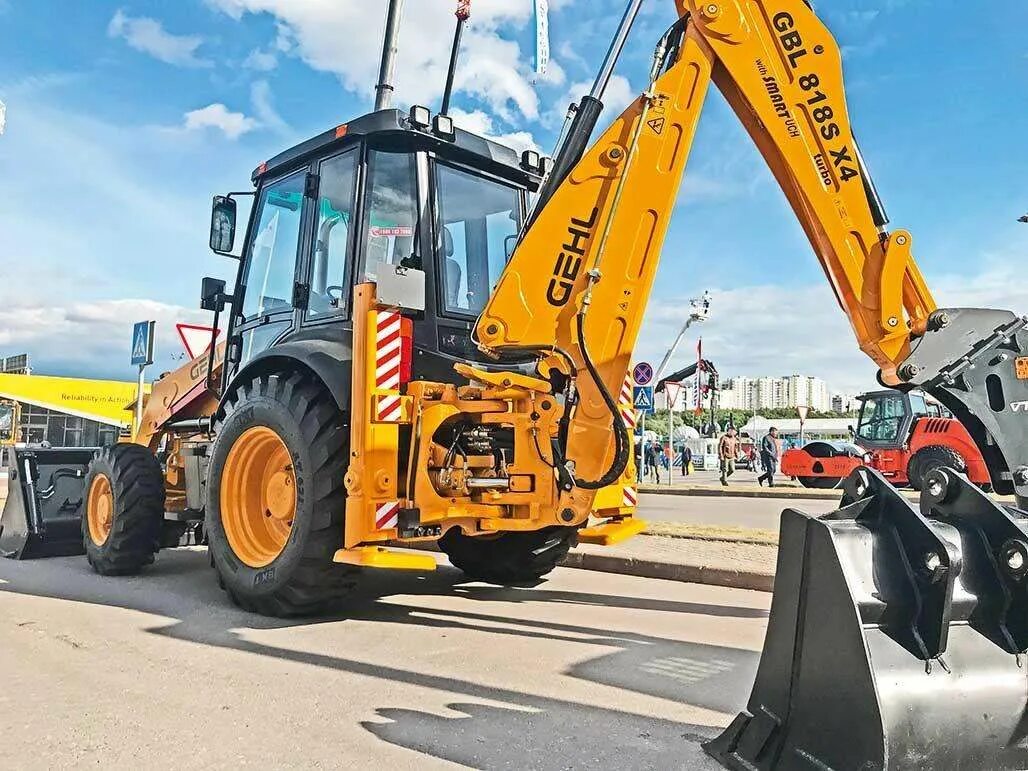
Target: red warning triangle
[{"x": 195, "y": 339}]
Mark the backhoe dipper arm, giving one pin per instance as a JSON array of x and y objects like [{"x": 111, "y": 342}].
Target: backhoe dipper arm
[{"x": 597, "y": 240}]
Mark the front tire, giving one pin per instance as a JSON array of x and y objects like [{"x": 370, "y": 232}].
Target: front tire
[
  {"x": 509, "y": 558},
  {"x": 124, "y": 516},
  {"x": 932, "y": 457},
  {"x": 275, "y": 497}
]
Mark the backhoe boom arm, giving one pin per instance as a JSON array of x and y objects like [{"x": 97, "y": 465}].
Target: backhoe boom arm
[{"x": 589, "y": 258}]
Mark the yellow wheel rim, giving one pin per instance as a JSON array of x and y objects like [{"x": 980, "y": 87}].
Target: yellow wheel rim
[
  {"x": 100, "y": 509},
  {"x": 258, "y": 496}
]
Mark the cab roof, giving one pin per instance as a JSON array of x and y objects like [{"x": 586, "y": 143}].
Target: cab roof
[{"x": 395, "y": 127}]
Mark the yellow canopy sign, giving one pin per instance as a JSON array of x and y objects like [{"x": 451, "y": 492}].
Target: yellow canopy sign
[{"x": 100, "y": 400}]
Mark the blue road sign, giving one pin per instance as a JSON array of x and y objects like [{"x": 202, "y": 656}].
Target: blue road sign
[
  {"x": 643, "y": 373},
  {"x": 643, "y": 398},
  {"x": 142, "y": 343}
]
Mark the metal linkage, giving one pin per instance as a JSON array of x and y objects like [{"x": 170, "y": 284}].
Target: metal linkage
[
  {"x": 975, "y": 361},
  {"x": 916, "y": 587},
  {"x": 994, "y": 542}
]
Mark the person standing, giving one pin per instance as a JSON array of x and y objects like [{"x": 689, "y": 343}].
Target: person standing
[
  {"x": 686, "y": 460},
  {"x": 769, "y": 457},
  {"x": 653, "y": 460},
  {"x": 727, "y": 451}
]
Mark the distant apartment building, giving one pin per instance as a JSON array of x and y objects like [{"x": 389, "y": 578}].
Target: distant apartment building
[
  {"x": 844, "y": 403},
  {"x": 768, "y": 393}
]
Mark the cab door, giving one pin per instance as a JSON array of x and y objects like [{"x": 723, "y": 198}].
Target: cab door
[
  {"x": 270, "y": 303},
  {"x": 328, "y": 284}
]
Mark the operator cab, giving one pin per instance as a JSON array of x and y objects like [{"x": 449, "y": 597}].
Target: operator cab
[
  {"x": 887, "y": 417},
  {"x": 426, "y": 210}
]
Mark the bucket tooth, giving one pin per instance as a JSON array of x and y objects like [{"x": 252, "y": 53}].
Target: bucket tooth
[
  {"x": 43, "y": 513},
  {"x": 895, "y": 639}
]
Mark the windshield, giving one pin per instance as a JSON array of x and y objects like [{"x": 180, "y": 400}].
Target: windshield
[
  {"x": 6, "y": 422},
  {"x": 881, "y": 418},
  {"x": 480, "y": 219}
]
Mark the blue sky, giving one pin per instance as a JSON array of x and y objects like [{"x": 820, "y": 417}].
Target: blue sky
[{"x": 124, "y": 118}]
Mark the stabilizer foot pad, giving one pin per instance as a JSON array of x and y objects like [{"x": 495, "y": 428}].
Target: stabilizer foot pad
[
  {"x": 611, "y": 532},
  {"x": 387, "y": 559}
]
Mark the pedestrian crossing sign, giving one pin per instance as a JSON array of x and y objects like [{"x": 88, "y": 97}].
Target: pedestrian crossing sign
[
  {"x": 643, "y": 398},
  {"x": 142, "y": 343}
]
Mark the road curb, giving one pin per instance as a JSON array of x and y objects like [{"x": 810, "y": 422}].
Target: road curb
[
  {"x": 670, "y": 571},
  {"x": 735, "y": 492},
  {"x": 647, "y": 568}
]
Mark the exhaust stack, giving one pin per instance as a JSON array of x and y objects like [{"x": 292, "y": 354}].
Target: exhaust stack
[{"x": 384, "y": 89}]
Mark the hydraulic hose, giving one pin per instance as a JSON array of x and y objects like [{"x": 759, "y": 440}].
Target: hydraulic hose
[{"x": 621, "y": 443}]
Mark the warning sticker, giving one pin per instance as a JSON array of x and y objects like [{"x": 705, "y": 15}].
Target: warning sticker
[
  {"x": 1021, "y": 368},
  {"x": 657, "y": 124}
]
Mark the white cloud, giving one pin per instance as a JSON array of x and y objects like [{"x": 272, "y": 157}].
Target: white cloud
[
  {"x": 262, "y": 61},
  {"x": 345, "y": 38},
  {"x": 780, "y": 329},
  {"x": 149, "y": 36},
  {"x": 92, "y": 338},
  {"x": 478, "y": 122},
  {"x": 264, "y": 109},
  {"x": 218, "y": 116}
]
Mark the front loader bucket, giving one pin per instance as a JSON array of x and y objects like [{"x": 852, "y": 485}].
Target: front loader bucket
[
  {"x": 43, "y": 513},
  {"x": 896, "y": 637}
]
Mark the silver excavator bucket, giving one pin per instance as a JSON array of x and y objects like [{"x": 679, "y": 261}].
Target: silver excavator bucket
[
  {"x": 896, "y": 638},
  {"x": 45, "y": 491}
]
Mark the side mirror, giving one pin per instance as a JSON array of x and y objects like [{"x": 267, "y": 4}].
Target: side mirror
[
  {"x": 223, "y": 224},
  {"x": 212, "y": 294}
]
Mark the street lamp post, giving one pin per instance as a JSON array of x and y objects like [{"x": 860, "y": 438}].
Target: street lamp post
[{"x": 699, "y": 311}]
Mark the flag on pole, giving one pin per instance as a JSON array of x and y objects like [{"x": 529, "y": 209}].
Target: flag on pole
[
  {"x": 464, "y": 9},
  {"x": 542, "y": 36},
  {"x": 699, "y": 377}
]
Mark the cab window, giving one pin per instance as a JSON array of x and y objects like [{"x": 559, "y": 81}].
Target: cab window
[
  {"x": 919, "y": 405},
  {"x": 270, "y": 273},
  {"x": 392, "y": 217},
  {"x": 329, "y": 280},
  {"x": 477, "y": 219},
  {"x": 882, "y": 418}
]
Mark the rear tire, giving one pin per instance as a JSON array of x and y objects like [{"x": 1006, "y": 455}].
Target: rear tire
[
  {"x": 301, "y": 579},
  {"x": 931, "y": 457},
  {"x": 133, "y": 515},
  {"x": 508, "y": 558}
]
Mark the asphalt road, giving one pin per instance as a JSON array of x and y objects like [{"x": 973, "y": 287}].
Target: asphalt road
[
  {"x": 585, "y": 670},
  {"x": 761, "y": 513}
]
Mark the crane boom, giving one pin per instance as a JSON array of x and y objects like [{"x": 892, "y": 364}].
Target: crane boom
[{"x": 598, "y": 238}]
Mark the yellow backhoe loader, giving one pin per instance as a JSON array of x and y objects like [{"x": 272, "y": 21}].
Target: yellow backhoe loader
[{"x": 376, "y": 390}]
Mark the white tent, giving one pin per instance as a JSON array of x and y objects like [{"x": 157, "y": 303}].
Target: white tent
[{"x": 826, "y": 427}]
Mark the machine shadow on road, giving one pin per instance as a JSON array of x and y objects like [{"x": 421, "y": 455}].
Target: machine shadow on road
[{"x": 528, "y": 731}]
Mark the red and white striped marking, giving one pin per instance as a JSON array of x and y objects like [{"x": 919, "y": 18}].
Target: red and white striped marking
[
  {"x": 629, "y": 496},
  {"x": 626, "y": 403},
  {"x": 387, "y": 364},
  {"x": 387, "y": 515}
]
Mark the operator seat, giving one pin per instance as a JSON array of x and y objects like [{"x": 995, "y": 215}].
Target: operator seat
[{"x": 453, "y": 270}]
